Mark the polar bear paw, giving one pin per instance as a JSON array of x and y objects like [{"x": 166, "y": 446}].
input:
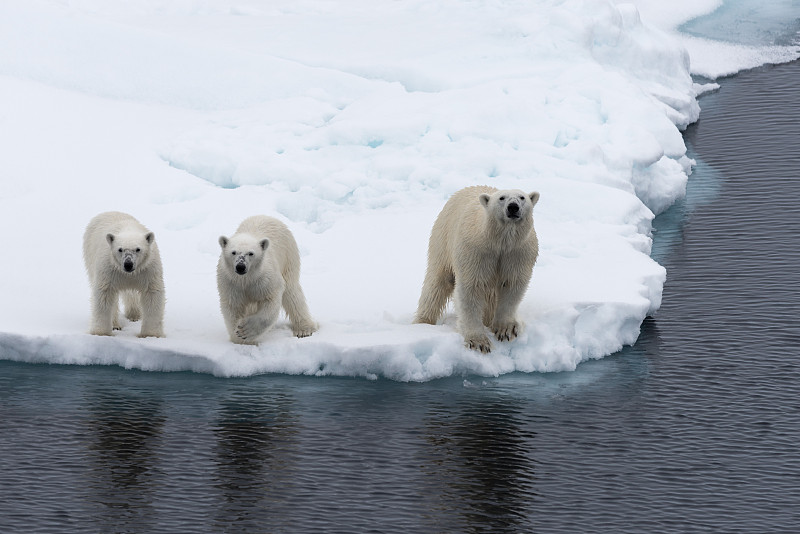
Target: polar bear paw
[
  {"x": 250, "y": 328},
  {"x": 156, "y": 332},
  {"x": 101, "y": 331},
  {"x": 479, "y": 342},
  {"x": 304, "y": 330},
  {"x": 506, "y": 331}
]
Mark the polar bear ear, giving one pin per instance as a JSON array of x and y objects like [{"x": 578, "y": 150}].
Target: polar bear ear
[
  {"x": 534, "y": 198},
  {"x": 484, "y": 199},
  {"x": 149, "y": 238},
  {"x": 110, "y": 239},
  {"x": 223, "y": 241},
  {"x": 264, "y": 243}
]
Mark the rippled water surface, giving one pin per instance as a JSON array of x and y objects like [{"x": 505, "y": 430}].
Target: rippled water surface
[{"x": 694, "y": 429}]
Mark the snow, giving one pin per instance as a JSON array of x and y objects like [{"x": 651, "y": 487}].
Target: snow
[
  {"x": 353, "y": 125},
  {"x": 715, "y": 59}
]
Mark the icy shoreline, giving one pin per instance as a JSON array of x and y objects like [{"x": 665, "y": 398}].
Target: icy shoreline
[{"x": 193, "y": 117}]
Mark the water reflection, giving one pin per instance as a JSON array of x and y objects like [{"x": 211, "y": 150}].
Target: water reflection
[
  {"x": 702, "y": 189},
  {"x": 124, "y": 430},
  {"x": 255, "y": 443},
  {"x": 479, "y": 466}
]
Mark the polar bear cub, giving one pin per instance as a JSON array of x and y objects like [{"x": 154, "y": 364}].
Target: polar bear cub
[
  {"x": 257, "y": 273},
  {"x": 482, "y": 247},
  {"x": 122, "y": 258}
]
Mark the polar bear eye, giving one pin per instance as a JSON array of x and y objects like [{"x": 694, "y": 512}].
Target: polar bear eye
[
  {"x": 250, "y": 254},
  {"x": 502, "y": 198},
  {"x": 233, "y": 253},
  {"x": 119, "y": 250},
  {"x": 138, "y": 249}
]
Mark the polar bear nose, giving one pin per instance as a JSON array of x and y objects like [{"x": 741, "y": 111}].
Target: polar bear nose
[
  {"x": 241, "y": 268},
  {"x": 513, "y": 210},
  {"x": 128, "y": 265}
]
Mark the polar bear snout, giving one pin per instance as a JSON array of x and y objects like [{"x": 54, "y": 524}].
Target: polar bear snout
[
  {"x": 240, "y": 264},
  {"x": 512, "y": 210},
  {"x": 128, "y": 263}
]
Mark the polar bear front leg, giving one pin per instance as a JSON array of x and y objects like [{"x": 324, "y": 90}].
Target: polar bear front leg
[
  {"x": 104, "y": 311},
  {"x": 152, "y": 302},
  {"x": 505, "y": 325},
  {"x": 509, "y": 295},
  {"x": 470, "y": 300},
  {"x": 234, "y": 308},
  {"x": 250, "y": 327}
]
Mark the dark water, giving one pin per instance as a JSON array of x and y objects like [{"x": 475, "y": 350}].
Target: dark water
[{"x": 694, "y": 429}]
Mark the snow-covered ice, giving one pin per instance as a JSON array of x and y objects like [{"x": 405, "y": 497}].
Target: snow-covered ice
[{"x": 353, "y": 124}]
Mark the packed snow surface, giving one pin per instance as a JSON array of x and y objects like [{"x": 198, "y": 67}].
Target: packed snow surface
[{"x": 352, "y": 123}]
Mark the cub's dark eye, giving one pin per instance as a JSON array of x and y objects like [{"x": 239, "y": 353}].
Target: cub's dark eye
[
  {"x": 250, "y": 254},
  {"x": 120, "y": 250},
  {"x": 138, "y": 249},
  {"x": 502, "y": 198},
  {"x": 233, "y": 253}
]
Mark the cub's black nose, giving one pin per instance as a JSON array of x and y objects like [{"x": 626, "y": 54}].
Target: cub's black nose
[
  {"x": 513, "y": 210},
  {"x": 241, "y": 268},
  {"x": 128, "y": 266}
]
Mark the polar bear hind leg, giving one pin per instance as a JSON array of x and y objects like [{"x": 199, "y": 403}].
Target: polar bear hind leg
[
  {"x": 296, "y": 308},
  {"x": 133, "y": 305},
  {"x": 490, "y": 308},
  {"x": 437, "y": 289}
]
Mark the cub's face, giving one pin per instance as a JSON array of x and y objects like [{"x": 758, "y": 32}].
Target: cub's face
[
  {"x": 242, "y": 253},
  {"x": 130, "y": 250},
  {"x": 510, "y": 205}
]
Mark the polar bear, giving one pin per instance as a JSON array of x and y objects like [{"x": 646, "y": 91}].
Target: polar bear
[
  {"x": 257, "y": 273},
  {"x": 122, "y": 258},
  {"x": 483, "y": 246}
]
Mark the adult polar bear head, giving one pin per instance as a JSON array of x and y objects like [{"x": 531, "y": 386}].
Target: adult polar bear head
[
  {"x": 510, "y": 205},
  {"x": 130, "y": 249},
  {"x": 243, "y": 253}
]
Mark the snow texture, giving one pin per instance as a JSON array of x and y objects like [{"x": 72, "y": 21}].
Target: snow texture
[{"x": 352, "y": 124}]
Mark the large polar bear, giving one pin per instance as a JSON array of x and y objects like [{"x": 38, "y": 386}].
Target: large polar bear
[
  {"x": 122, "y": 257},
  {"x": 257, "y": 273},
  {"x": 483, "y": 246}
]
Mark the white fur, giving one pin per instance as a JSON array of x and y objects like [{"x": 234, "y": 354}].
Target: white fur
[
  {"x": 121, "y": 257},
  {"x": 486, "y": 257},
  {"x": 270, "y": 262}
]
